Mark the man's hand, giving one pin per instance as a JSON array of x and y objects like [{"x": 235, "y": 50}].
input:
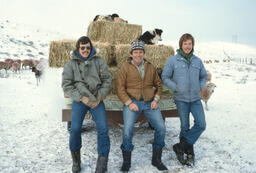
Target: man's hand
[
  {"x": 154, "y": 105},
  {"x": 133, "y": 107},
  {"x": 90, "y": 103},
  {"x": 85, "y": 100}
]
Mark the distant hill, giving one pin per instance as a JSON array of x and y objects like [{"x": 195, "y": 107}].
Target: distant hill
[{"x": 21, "y": 41}]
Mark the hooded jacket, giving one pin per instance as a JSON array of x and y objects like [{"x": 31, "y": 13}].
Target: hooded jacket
[
  {"x": 90, "y": 78},
  {"x": 186, "y": 79}
]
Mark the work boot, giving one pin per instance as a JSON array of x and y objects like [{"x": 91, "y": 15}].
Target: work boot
[
  {"x": 190, "y": 156},
  {"x": 102, "y": 165},
  {"x": 126, "y": 161},
  {"x": 76, "y": 157},
  {"x": 179, "y": 150},
  {"x": 156, "y": 159}
]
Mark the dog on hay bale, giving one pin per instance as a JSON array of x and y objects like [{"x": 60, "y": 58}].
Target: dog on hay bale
[
  {"x": 113, "y": 18},
  {"x": 151, "y": 37}
]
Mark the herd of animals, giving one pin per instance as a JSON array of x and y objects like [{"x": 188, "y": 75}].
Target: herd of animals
[{"x": 16, "y": 65}]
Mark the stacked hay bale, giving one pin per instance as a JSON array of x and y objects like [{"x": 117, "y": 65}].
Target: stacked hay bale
[
  {"x": 155, "y": 54},
  {"x": 113, "y": 32},
  {"x": 60, "y": 51},
  {"x": 113, "y": 41}
]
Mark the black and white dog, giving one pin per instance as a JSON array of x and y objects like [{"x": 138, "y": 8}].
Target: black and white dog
[
  {"x": 113, "y": 17},
  {"x": 151, "y": 37},
  {"x": 38, "y": 75}
]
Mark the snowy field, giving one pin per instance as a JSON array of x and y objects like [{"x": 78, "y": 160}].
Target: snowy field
[{"x": 33, "y": 138}]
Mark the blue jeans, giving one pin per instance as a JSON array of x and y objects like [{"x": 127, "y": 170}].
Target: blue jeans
[
  {"x": 79, "y": 109},
  {"x": 155, "y": 118},
  {"x": 197, "y": 111}
]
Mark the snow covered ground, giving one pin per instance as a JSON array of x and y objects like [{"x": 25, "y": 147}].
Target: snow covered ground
[{"x": 33, "y": 138}]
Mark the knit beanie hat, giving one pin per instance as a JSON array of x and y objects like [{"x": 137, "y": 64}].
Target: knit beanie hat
[{"x": 138, "y": 44}]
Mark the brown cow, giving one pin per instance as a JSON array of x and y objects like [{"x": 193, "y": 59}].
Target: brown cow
[
  {"x": 15, "y": 67},
  {"x": 4, "y": 65},
  {"x": 27, "y": 62},
  {"x": 9, "y": 61}
]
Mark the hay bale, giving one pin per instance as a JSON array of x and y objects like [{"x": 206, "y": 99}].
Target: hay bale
[
  {"x": 122, "y": 52},
  {"x": 156, "y": 54},
  {"x": 113, "y": 32},
  {"x": 106, "y": 51},
  {"x": 60, "y": 52},
  {"x": 113, "y": 71}
]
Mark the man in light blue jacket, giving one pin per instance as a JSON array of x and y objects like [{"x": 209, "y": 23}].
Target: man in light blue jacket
[
  {"x": 185, "y": 74},
  {"x": 87, "y": 80}
]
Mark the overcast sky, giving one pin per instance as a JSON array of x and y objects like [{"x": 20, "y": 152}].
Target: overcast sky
[{"x": 206, "y": 20}]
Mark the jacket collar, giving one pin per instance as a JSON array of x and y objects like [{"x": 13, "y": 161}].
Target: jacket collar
[
  {"x": 187, "y": 57},
  {"x": 181, "y": 58},
  {"x": 76, "y": 55},
  {"x": 129, "y": 60}
]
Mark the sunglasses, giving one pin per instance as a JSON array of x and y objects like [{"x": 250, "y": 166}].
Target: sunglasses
[{"x": 85, "y": 47}]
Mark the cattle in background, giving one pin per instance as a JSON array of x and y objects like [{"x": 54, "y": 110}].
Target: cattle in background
[
  {"x": 4, "y": 65},
  {"x": 27, "y": 63},
  {"x": 9, "y": 61},
  {"x": 15, "y": 67}
]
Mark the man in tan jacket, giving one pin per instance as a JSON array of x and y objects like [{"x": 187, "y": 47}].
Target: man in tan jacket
[{"x": 139, "y": 88}]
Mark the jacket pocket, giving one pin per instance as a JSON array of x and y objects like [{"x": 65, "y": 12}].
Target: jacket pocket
[
  {"x": 180, "y": 75},
  {"x": 195, "y": 69},
  {"x": 194, "y": 76}
]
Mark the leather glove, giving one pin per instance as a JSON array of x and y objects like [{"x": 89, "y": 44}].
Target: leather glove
[
  {"x": 90, "y": 103},
  {"x": 85, "y": 100}
]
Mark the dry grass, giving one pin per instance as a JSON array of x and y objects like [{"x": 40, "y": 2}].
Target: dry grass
[
  {"x": 60, "y": 52},
  {"x": 113, "y": 32},
  {"x": 114, "y": 73},
  {"x": 156, "y": 54}
]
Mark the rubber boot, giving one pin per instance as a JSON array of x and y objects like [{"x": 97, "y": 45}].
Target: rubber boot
[
  {"x": 190, "y": 156},
  {"x": 76, "y": 157},
  {"x": 179, "y": 150},
  {"x": 126, "y": 161},
  {"x": 102, "y": 165},
  {"x": 156, "y": 159}
]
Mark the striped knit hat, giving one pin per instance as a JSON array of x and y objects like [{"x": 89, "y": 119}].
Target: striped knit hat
[{"x": 138, "y": 44}]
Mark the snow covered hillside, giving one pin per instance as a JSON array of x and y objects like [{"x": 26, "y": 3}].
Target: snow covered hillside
[
  {"x": 33, "y": 138},
  {"x": 25, "y": 41}
]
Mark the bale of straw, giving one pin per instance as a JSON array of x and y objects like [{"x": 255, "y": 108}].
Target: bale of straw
[
  {"x": 106, "y": 51},
  {"x": 60, "y": 52},
  {"x": 113, "y": 32},
  {"x": 122, "y": 52},
  {"x": 114, "y": 72},
  {"x": 156, "y": 54}
]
